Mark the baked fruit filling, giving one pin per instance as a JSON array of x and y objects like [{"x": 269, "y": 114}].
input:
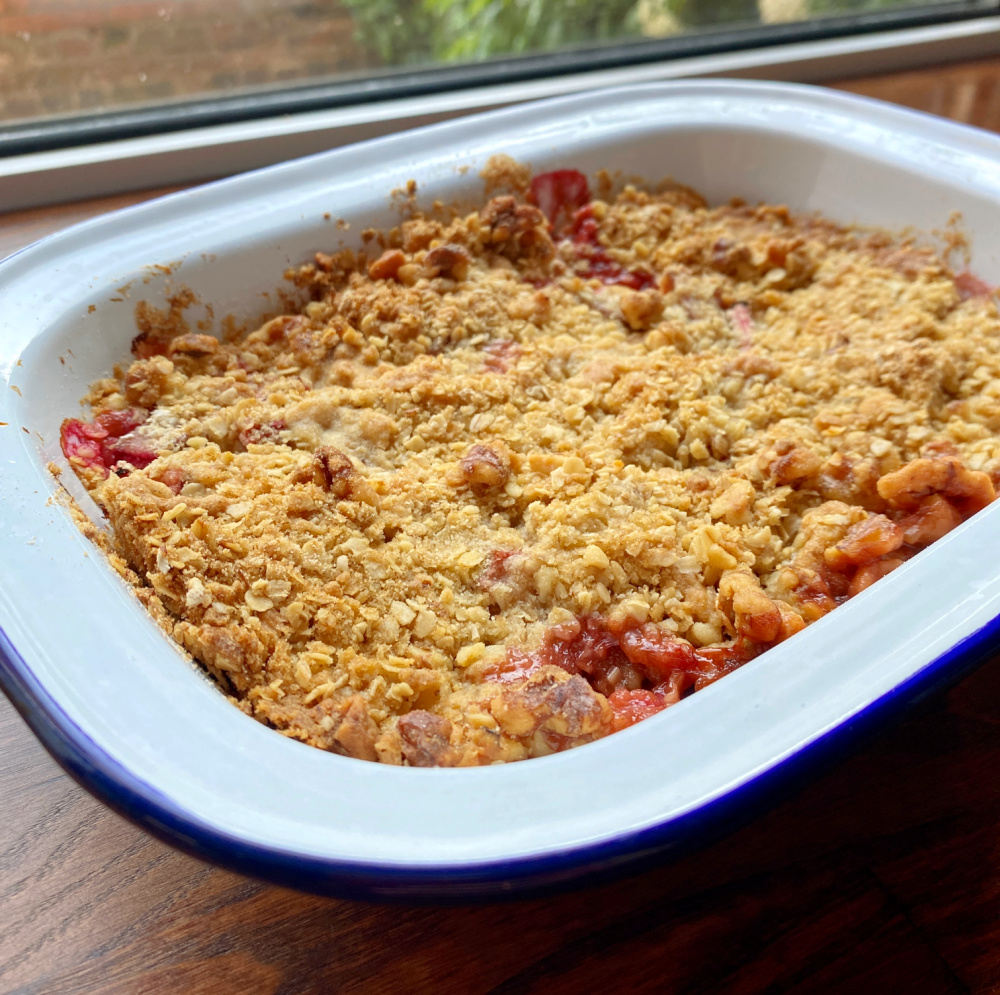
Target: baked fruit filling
[{"x": 514, "y": 480}]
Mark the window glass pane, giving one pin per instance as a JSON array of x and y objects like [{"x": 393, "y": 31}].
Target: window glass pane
[{"x": 71, "y": 57}]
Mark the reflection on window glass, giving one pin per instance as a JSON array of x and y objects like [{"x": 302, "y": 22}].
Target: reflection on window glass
[{"x": 60, "y": 57}]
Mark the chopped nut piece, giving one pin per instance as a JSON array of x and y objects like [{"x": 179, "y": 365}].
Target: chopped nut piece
[
  {"x": 387, "y": 265},
  {"x": 333, "y": 470},
  {"x": 518, "y": 230},
  {"x": 448, "y": 260},
  {"x": 788, "y": 463},
  {"x": 485, "y": 466},
  {"x": 357, "y": 732},
  {"x": 553, "y": 701},
  {"x": 868, "y": 540},
  {"x": 426, "y": 741},
  {"x": 909, "y": 485},
  {"x": 641, "y": 309},
  {"x": 751, "y": 612}
]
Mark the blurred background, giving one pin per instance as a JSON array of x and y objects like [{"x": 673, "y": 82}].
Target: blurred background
[{"x": 68, "y": 57}]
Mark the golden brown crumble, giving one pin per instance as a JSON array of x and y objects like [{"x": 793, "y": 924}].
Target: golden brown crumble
[{"x": 515, "y": 480}]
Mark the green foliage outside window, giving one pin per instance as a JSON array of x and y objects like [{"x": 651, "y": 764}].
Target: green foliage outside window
[
  {"x": 698, "y": 14},
  {"x": 403, "y": 32},
  {"x": 407, "y": 32}
]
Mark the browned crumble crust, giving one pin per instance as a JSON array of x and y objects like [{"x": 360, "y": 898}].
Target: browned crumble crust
[{"x": 465, "y": 442}]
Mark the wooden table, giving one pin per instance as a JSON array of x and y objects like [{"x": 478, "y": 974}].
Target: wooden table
[{"x": 882, "y": 876}]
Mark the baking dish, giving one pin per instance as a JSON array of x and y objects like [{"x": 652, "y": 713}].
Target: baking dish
[{"x": 130, "y": 718}]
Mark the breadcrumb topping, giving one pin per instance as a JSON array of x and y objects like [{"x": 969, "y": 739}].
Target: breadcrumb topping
[{"x": 515, "y": 480}]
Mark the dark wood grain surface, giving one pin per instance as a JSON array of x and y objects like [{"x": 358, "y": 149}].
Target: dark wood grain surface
[{"x": 881, "y": 876}]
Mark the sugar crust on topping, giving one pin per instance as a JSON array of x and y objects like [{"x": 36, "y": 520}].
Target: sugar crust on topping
[{"x": 503, "y": 487}]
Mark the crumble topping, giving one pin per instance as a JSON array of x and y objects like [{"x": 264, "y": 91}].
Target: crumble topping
[{"x": 512, "y": 481}]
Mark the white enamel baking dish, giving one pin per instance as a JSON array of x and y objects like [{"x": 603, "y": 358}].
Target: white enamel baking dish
[{"x": 128, "y": 716}]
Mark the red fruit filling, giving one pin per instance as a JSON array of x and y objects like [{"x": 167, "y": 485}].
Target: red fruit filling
[
  {"x": 629, "y": 707},
  {"x": 501, "y": 354},
  {"x": 739, "y": 315},
  {"x": 563, "y": 196},
  {"x": 266, "y": 432},
  {"x": 642, "y": 669},
  {"x": 600, "y": 265},
  {"x": 970, "y": 286},
  {"x": 104, "y": 442},
  {"x": 559, "y": 195}
]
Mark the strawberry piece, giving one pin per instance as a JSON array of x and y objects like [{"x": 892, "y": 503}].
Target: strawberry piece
[
  {"x": 99, "y": 444},
  {"x": 969, "y": 286},
  {"x": 559, "y": 195},
  {"x": 629, "y": 707},
  {"x": 600, "y": 266},
  {"x": 656, "y": 651},
  {"x": 79, "y": 442},
  {"x": 133, "y": 451}
]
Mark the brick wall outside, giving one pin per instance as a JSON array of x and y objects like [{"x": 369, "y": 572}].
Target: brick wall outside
[{"x": 61, "y": 56}]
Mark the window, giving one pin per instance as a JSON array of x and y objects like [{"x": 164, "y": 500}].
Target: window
[
  {"x": 288, "y": 77},
  {"x": 74, "y": 58}
]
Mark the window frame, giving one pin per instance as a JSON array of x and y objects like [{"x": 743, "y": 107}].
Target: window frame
[{"x": 95, "y": 155}]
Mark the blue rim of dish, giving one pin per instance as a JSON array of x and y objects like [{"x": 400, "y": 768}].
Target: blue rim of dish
[{"x": 111, "y": 782}]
